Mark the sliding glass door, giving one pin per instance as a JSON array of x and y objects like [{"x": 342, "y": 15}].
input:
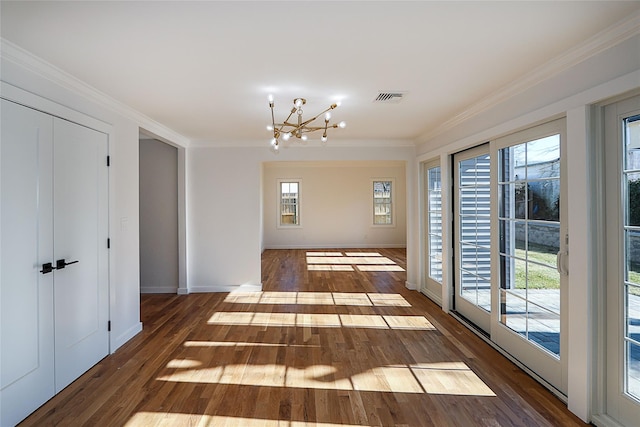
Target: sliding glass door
[
  {"x": 511, "y": 244},
  {"x": 472, "y": 201},
  {"x": 532, "y": 242}
]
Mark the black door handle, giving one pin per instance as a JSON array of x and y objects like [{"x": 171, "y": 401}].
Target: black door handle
[
  {"x": 47, "y": 268},
  {"x": 61, "y": 263}
]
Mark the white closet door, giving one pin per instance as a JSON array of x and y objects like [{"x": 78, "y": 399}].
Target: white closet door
[
  {"x": 80, "y": 234},
  {"x": 26, "y": 294}
]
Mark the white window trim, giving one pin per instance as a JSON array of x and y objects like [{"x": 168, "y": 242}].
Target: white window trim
[
  {"x": 393, "y": 203},
  {"x": 279, "y": 224}
]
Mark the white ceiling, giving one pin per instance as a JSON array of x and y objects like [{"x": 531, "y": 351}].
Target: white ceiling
[{"x": 204, "y": 69}]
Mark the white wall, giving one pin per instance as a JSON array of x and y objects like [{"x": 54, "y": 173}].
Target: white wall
[
  {"x": 613, "y": 70},
  {"x": 49, "y": 89},
  {"x": 158, "y": 217},
  {"x": 336, "y": 207},
  {"x": 225, "y": 206}
]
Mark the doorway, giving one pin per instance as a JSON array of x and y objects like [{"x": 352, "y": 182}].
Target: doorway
[{"x": 159, "y": 235}]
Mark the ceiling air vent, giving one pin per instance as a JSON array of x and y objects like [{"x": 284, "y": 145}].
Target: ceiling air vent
[{"x": 389, "y": 97}]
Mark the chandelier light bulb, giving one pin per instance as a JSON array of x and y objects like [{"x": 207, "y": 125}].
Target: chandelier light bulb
[
  {"x": 342, "y": 124},
  {"x": 270, "y": 97},
  {"x": 269, "y": 127},
  {"x": 274, "y": 142},
  {"x": 303, "y": 137},
  {"x": 286, "y": 136},
  {"x": 276, "y": 147},
  {"x": 327, "y": 117},
  {"x": 323, "y": 139},
  {"x": 298, "y": 102}
]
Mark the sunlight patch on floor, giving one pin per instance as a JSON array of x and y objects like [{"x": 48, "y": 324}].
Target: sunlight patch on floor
[
  {"x": 453, "y": 378},
  {"x": 419, "y": 323},
  {"x": 145, "y": 419},
  {"x": 318, "y": 298},
  {"x": 338, "y": 261}
]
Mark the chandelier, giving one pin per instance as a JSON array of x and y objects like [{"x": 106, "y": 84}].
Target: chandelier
[{"x": 300, "y": 127}]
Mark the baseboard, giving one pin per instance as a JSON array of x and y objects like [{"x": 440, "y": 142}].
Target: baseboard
[
  {"x": 410, "y": 286},
  {"x": 340, "y": 246},
  {"x": 183, "y": 291},
  {"x": 117, "y": 342},
  {"x": 158, "y": 290},
  {"x": 432, "y": 296},
  {"x": 230, "y": 288}
]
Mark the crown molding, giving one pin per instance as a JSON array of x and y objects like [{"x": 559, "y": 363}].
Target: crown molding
[
  {"x": 606, "y": 39},
  {"x": 332, "y": 143},
  {"x": 28, "y": 61}
]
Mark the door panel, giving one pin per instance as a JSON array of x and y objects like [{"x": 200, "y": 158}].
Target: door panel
[
  {"x": 532, "y": 239},
  {"x": 473, "y": 235},
  {"x": 26, "y": 295},
  {"x": 80, "y": 212},
  {"x": 622, "y": 171}
]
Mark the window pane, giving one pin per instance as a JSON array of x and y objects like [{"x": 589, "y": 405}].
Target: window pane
[
  {"x": 633, "y": 369},
  {"x": 633, "y": 199},
  {"x": 382, "y": 208},
  {"x": 543, "y": 328},
  {"x": 544, "y": 200},
  {"x": 543, "y": 158},
  {"x": 543, "y": 243},
  {"x": 632, "y": 244},
  {"x": 434, "y": 223},
  {"x": 289, "y": 207},
  {"x": 513, "y": 312},
  {"x": 632, "y": 144}
]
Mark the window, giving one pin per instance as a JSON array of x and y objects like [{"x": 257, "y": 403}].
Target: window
[
  {"x": 434, "y": 222},
  {"x": 382, "y": 202},
  {"x": 289, "y": 199}
]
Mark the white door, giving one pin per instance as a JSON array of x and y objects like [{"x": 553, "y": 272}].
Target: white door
[
  {"x": 26, "y": 293},
  {"x": 622, "y": 165},
  {"x": 80, "y": 239},
  {"x": 472, "y": 203},
  {"x": 53, "y": 212},
  {"x": 531, "y": 250}
]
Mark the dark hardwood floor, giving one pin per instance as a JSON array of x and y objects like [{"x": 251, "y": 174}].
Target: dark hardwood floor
[{"x": 332, "y": 340}]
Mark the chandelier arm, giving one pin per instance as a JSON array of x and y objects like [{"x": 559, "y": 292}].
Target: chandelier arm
[
  {"x": 286, "y": 122},
  {"x": 306, "y": 122}
]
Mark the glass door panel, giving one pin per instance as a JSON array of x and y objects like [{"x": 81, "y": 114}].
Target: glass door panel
[
  {"x": 529, "y": 225},
  {"x": 433, "y": 225},
  {"x": 532, "y": 241},
  {"x": 473, "y": 235},
  {"x": 622, "y": 169}
]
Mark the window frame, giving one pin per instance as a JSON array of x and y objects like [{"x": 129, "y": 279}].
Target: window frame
[
  {"x": 392, "y": 202},
  {"x": 279, "y": 223}
]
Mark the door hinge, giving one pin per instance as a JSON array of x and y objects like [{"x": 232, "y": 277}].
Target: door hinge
[
  {"x": 109, "y": 326},
  {"x": 108, "y": 160},
  {"x": 108, "y": 243}
]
